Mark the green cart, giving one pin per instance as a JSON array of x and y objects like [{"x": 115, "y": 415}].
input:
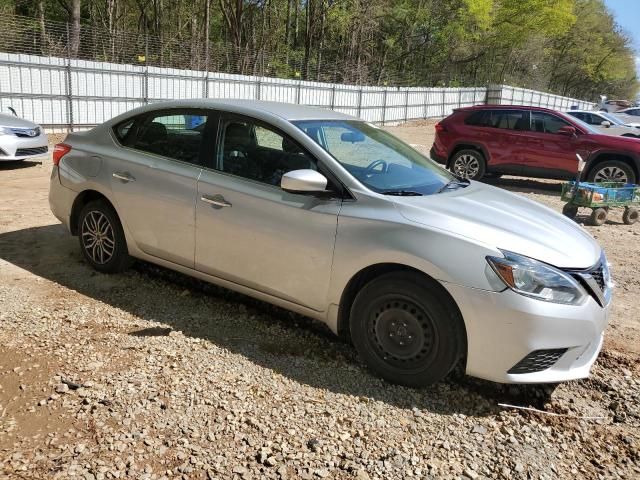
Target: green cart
[{"x": 600, "y": 197}]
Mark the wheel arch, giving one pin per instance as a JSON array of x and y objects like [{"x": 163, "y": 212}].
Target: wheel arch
[
  {"x": 464, "y": 145},
  {"x": 369, "y": 273},
  {"x": 80, "y": 201},
  {"x": 600, "y": 157}
]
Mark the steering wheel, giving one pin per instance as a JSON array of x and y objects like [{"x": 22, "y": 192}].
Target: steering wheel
[{"x": 374, "y": 164}]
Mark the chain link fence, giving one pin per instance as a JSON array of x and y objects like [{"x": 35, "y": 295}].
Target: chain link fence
[{"x": 67, "y": 84}]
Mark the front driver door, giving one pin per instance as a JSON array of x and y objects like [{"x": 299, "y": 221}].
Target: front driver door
[{"x": 251, "y": 232}]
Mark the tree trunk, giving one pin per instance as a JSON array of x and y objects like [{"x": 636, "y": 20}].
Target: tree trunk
[{"x": 74, "y": 40}]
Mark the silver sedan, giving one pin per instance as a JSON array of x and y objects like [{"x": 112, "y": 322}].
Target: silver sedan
[{"x": 332, "y": 217}]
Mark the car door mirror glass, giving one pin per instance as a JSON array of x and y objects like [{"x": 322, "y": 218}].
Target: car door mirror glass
[
  {"x": 303, "y": 181},
  {"x": 606, "y": 123}
]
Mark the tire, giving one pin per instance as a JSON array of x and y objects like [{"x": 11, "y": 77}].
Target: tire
[
  {"x": 598, "y": 217},
  {"x": 110, "y": 255},
  {"x": 468, "y": 164},
  {"x": 612, "y": 171},
  {"x": 407, "y": 329},
  {"x": 570, "y": 210},
  {"x": 630, "y": 215}
]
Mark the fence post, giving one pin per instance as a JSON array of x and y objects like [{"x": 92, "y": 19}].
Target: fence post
[
  {"x": 384, "y": 105},
  {"x": 145, "y": 80},
  {"x": 333, "y": 96},
  {"x": 359, "y": 101},
  {"x": 69, "y": 84},
  {"x": 258, "y": 87},
  {"x": 406, "y": 105},
  {"x": 298, "y": 92},
  {"x": 444, "y": 100},
  {"x": 426, "y": 104}
]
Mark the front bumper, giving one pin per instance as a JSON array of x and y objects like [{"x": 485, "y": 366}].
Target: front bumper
[
  {"x": 14, "y": 148},
  {"x": 504, "y": 327}
]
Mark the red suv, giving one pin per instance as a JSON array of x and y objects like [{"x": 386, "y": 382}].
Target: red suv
[{"x": 491, "y": 140}]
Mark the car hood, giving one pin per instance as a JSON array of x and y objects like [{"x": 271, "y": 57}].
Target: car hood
[
  {"x": 617, "y": 130},
  {"x": 500, "y": 219},
  {"x": 12, "y": 121}
]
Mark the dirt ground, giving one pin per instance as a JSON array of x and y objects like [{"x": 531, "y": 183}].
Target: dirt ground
[{"x": 125, "y": 376}]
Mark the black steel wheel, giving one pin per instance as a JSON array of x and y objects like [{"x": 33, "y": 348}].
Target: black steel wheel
[
  {"x": 570, "y": 210},
  {"x": 598, "y": 216},
  {"x": 102, "y": 239},
  {"x": 630, "y": 215},
  {"x": 407, "y": 329}
]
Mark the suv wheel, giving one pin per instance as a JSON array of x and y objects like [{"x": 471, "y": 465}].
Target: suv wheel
[
  {"x": 405, "y": 330},
  {"x": 612, "y": 171},
  {"x": 468, "y": 164},
  {"x": 102, "y": 239}
]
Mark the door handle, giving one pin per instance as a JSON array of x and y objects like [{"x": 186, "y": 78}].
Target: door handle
[
  {"x": 125, "y": 177},
  {"x": 217, "y": 200}
]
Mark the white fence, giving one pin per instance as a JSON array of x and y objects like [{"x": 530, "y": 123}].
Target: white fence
[
  {"x": 66, "y": 94},
  {"x": 506, "y": 95}
]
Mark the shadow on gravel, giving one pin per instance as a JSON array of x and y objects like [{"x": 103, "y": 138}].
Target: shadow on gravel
[
  {"x": 527, "y": 185},
  {"x": 294, "y": 346},
  {"x": 18, "y": 164}
]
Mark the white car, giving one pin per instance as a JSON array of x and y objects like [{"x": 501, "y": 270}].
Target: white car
[
  {"x": 21, "y": 139},
  {"x": 606, "y": 123},
  {"x": 630, "y": 116}
]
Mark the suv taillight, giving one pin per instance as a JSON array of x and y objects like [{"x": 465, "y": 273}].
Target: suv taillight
[
  {"x": 59, "y": 151},
  {"x": 440, "y": 128}
]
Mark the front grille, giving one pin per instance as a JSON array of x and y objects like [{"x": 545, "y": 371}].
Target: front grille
[
  {"x": 598, "y": 276},
  {"x": 594, "y": 280},
  {"x": 3, "y": 153},
  {"x": 26, "y": 132},
  {"x": 23, "y": 152},
  {"x": 538, "y": 360}
]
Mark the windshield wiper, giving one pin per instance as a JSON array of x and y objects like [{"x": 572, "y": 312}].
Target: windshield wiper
[
  {"x": 455, "y": 183},
  {"x": 402, "y": 193}
]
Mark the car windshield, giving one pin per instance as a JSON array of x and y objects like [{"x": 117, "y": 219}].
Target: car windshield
[
  {"x": 612, "y": 118},
  {"x": 380, "y": 161}
]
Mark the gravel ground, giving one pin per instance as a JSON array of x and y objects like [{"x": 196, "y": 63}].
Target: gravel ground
[{"x": 150, "y": 374}]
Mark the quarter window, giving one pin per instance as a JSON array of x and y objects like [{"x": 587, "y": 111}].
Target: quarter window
[
  {"x": 254, "y": 151},
  {"x": 176, "y": 134}
]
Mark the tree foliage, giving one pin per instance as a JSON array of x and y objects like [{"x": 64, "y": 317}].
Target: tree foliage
[{"x": 571, "y": 47}]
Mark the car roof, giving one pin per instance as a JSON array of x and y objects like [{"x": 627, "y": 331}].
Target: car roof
[
  {"x": 256, "y": 108},
  {"x": 505, "y": 107},
  {"x": 585, "y": 111}
]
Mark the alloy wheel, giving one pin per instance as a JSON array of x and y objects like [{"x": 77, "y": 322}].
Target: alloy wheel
[
  {"x": 611, "y": 174},
  {"x": 466, "y": 166},
  {"x": 98, "y": 238}
]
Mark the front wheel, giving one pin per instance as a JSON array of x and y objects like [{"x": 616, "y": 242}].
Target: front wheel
[
  {"x": 570, "y": 210},
  {"x": 598, "y": 216},
  {"x": 630, "y": 215},
  {"x": 406, "y": 329},
  {"x": 612, "y": 171},
  {"x": 102, "y": 239},
  {"x": 468, "y": 164}
]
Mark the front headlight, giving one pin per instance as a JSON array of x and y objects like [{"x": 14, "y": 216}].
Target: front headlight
[
  {"x": 535, "y": 279},
  {"x": 5, "y": 131}
]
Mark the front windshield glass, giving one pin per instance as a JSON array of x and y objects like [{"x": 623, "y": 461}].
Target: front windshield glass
[
  {"x": 612, "y": 118},
  {"x": 376, "y": 158}
]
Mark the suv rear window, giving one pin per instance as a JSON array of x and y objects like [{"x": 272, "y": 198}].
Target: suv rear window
[{"x": 505, "y": 119}]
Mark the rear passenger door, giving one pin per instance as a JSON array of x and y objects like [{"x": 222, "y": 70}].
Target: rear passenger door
[
  {"x": 154, "y": 180},
  {"x": 251, "y": 232}
]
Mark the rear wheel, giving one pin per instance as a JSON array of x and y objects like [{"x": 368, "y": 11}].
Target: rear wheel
[
  {"x": 102, "y": 239},
  {"x": 406, "y": 329},
  {"x": 630, "y": 215},
  {"x": 598, "y": 216},
  {"x": 612, "y": 171},
  {"x": 468, "y": 164}
]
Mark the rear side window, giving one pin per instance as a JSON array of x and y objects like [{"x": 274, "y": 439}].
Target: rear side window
[
  {"x": 175, "y": 134},
  {"x": 479, "y": 119},
  {"x": 510, "y": 119},
  {"x": 123, "y": 129}
]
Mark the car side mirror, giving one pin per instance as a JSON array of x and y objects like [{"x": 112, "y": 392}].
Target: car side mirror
[
  {"x": 567, "y": 130},
  {"x": 303, "y": 181},
  {"x": 606, "y": 123}
]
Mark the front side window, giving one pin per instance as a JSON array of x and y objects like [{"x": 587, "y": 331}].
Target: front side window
[
  {"x": 380, "y": 161},
  {"x": 176, "y": 134},
  {"x": 546, "y": 123},
  {"x": 252, "y": 150}
]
